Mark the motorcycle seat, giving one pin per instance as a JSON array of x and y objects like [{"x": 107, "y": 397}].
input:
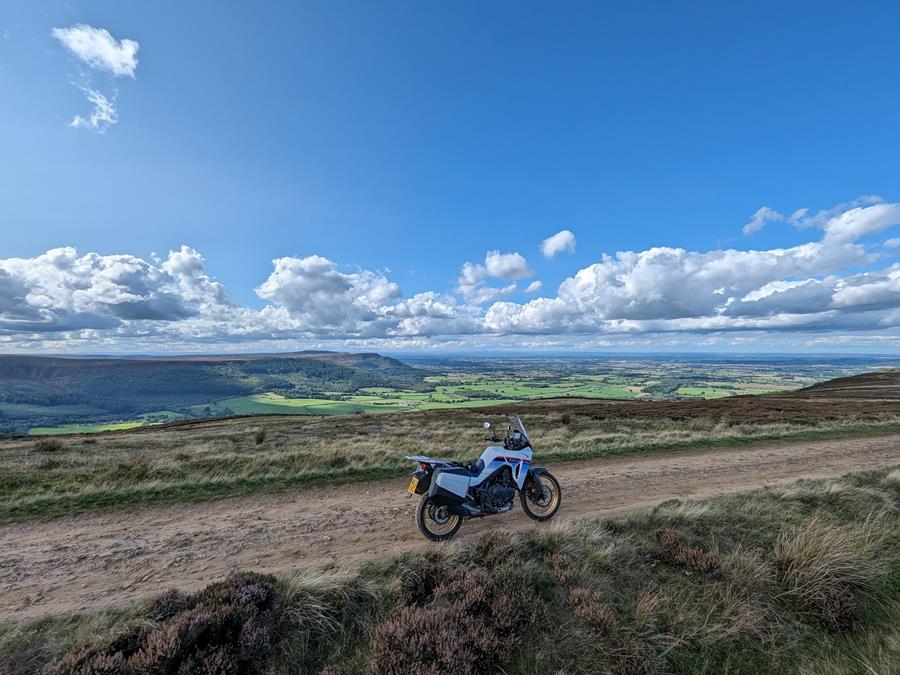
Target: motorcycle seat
[{"x": 473, "y": 469}]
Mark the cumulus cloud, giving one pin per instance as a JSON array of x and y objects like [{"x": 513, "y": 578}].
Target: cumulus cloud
[
  {"x": 103, "y": 116},
  {"x": 562, "y": 241},
  {"x": 471, "y": 283},
  {"x": 432, "y": 314},
  {"x": 860, "y": 221},
  {"x": 99, "y": 49},
  {"x": 506, "y": 265},
  {"x": 663, "y": 288},
  {"x": 60, "y": 290},
  {"x": 319, "y": 298},
  {"x": 834, "y": 283},
  {"x": 803, "y": 219}
]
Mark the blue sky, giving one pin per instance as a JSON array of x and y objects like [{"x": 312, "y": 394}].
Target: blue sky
[{"x": 397, "y": 142}]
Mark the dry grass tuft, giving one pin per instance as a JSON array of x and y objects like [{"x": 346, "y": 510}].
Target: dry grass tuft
[
  {"x": 49, "y": 445},
  {"x": 827, "y": 569},
  {"x": 323, "y": 609}
]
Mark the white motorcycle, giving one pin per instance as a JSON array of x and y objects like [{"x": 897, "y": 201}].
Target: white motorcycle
[{"x": 452, "y": 491}]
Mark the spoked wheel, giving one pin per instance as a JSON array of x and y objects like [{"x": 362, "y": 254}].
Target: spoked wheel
[
  {"x": 436, "y": 522},
  {"x": 541, "y": 503}
]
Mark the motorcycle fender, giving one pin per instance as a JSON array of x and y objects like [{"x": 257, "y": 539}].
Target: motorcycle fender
[{"x": 531, "y": 478}]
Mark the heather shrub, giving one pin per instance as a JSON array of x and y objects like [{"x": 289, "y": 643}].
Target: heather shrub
[
  {"x": 167, "y": 605},
  {"x": 590, "y": 607},
  {"x": 470, "y": 626},
  {"x": 229, "y": 627},
  {"x": 676, "y": 552},
  {"x": 259, "y": 436},
  {"x": 419, "y": 576},
  {"x": 563, "y": 567}
]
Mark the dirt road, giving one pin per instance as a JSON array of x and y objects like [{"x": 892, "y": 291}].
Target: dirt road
[{"x": 101, "y": 560}]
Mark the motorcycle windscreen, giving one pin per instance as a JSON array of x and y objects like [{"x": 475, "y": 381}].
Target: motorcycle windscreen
[{"x": 516, "y": 424}]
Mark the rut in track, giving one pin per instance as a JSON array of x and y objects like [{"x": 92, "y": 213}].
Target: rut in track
[{"x": 100, "y": 560}]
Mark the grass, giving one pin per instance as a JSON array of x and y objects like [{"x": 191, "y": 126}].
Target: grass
[
  {"x": 223, "y": 458},
  {"x": 803, "y": 578},
  {"x": 227, "y": 458}
]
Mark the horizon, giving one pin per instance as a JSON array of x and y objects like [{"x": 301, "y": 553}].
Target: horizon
[
  {"x": 412, "y": 178},
  {"x": 524, "y": 354}
]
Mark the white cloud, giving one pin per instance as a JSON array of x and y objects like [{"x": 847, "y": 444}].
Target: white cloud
[
  {"x": 497, "y": 265},
  {"x": 860, "y": 221},
  {"x": 102, "y": 302},
  {"x": 562, "y": 241},
  {"x": 506, "y": 265},
  {"x": 319, "y": 299},
  {"x": 60, "y": 291},
  {"x": 766, "y": 215},
  {"x": 430, "y": 314},
  {"x": 892, "y": 243},
  {"x": 762, "y": 216},
  {"x": 102, "y": 117},
  {"x": 104, "y": 53},
  {"x": 99, "y": 49},
  {"x": 662, "y": 288}
]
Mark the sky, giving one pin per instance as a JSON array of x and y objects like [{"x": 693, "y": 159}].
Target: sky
[{"x": 434, "y": 176}]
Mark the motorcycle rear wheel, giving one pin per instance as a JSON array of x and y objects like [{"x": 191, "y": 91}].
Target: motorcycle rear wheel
[
  {"x": 543, "y": 507},
  {"x": 436, "y": 522}
]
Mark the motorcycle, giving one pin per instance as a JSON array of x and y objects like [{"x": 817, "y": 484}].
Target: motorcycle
[{"x": 453, "y": 492}]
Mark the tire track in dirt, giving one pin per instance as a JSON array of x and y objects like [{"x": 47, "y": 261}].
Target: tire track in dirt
[{"x": 93, "y": 561}]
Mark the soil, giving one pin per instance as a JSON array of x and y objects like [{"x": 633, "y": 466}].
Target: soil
[{"x": 95, "y": 561}]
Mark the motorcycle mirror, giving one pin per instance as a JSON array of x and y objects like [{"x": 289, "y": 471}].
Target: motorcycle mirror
[{"x": 487, "y": 425}]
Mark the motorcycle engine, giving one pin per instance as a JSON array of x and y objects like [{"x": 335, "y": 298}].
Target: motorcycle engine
[{"x": 498, "y": 494}]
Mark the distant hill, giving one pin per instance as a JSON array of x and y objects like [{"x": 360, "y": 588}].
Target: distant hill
[
  {"x": 47, "y": 391},
  {"x": 881, "y": 385},
  {"x": 869, "y": 395}
]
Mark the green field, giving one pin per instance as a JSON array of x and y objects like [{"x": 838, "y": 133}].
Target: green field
[
  {"x": 463, "y": 391},
  {"x": 146, "y": 420},
  {"x": 83, "y": 428},
  {"x": 480, "y": 382},
  {"x": 472, "y": 393}
]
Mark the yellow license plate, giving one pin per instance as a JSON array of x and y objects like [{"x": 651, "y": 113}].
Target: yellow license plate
[{"x": 413, "y": 482}]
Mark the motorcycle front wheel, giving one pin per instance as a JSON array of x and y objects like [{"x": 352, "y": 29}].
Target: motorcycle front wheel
[
  {"x": 544, "y": 503},
  {"x": 436, "y": 522}
]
